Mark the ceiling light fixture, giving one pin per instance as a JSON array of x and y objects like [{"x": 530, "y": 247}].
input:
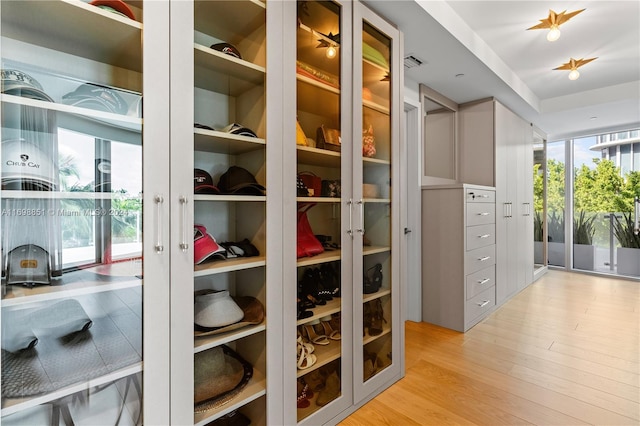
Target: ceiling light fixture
[
  {"x": 573, "y": 66},
  {"x": 553, "y": 22},
  {"x": 330, "y": 42}
]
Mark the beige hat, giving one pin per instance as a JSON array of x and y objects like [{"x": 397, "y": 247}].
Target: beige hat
[
  {"x": 216, "y": 309},
  {"x": 219, "y": 375},
  {"x": 253, "y": 313}
]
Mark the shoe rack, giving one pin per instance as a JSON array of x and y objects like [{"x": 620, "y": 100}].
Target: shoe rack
[{"x": 338, "y": 95}]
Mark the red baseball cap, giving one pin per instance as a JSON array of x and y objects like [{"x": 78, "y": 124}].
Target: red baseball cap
[
  {"x": 205, "y": 246},
  {"x": 117, "y": 6}
]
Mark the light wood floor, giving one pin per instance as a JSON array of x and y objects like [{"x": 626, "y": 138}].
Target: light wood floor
[{"x": 565, "y": 351}]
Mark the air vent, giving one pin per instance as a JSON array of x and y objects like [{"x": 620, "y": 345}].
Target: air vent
[{"x": 411, "y": 61}]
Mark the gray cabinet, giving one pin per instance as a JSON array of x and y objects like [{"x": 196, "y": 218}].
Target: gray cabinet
[{"x": 459, "y": 255}]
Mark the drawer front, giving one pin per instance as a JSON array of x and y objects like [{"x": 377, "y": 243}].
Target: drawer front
[
  {"x": 479, "y": 305},
  {"x": 480, "y": 281},
  {"x": 480, "y": 258},
  {"x": 480, "y": 213},
  {"x": 481, "y": 236},
  {"x": 480, "y": 196}
]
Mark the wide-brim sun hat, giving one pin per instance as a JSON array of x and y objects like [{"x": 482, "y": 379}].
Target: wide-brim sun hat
[
  {"x": 216, "y": 309},
  {"x": 220, "y": 374},
  {"x": 253, "y": 314}
]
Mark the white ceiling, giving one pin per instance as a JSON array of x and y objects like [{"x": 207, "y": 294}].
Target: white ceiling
[{"x": 487, "y": 41}]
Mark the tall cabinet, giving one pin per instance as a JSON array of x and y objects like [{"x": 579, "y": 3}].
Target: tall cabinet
[
  {"x": 345, "y": 154},
  {"x": 492, "y": 134},
  {"x": 155, "y": 244},
  {"x": 84, "y": 317}
]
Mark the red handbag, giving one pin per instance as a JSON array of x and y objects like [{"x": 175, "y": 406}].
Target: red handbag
[{"x": 307, "y": 243}]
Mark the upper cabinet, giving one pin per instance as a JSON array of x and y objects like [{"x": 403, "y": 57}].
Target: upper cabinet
[{"x": 72, "y": 217}]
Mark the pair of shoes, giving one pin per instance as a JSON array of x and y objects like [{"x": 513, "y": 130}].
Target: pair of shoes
[
  {"x": 305, "y": 357},
  {"x": 373, "y": 316},
  {"x": 316, "y": 379},
  {"x": 331, "y": 278},
  {"x": 373, "y": 364},
  {"x": 330, "y": 391},
  {"x": 304, "y": 395},
  {"x": 308, "y": 289}
]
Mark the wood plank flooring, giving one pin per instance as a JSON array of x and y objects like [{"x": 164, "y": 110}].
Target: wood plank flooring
[{"x": 564, "y": 351}]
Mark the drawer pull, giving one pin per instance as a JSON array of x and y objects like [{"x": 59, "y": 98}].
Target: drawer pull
[
  {"x": 484, "y": 236},
  {"x": 483, "y": 214},
  {"x": 483, "y": 303},
  {"x": 482, "y": 259},
  {"x": 484, "y": 281},
  {"x": 482, "y": 196}
]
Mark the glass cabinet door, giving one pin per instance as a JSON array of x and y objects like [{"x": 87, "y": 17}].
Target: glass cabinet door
[
  {"x": 323, "y": 253},
  {"x": 376, "y": 141},
  {"x": 72, "y": 213}
]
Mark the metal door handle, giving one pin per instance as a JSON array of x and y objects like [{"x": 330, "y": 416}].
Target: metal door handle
[
  {"x": 483, "y": 259},
  {"x": 360, "y": 202},
  {"x": 484, "y": 236},
  {"x": 184, "y": 245},
  {"x": 483, "y": 214},
  {"x": 483, "y": 303},
  {"x": 484, "y": 281},
  {"x": 407, "y": 231},
  {"x": 158, "y": 199},
  {"x": 350, "y": 230}
]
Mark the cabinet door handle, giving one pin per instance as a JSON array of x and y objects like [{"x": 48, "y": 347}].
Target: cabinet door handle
[
  {"x": 484, "y": 236},
  {"x": 484, "y": 259},
  {"x": 482, "y": 196},
  {"x": 158, "y": 199},
  {"x": 350, "y": 230},
  {"x": 483, "y": 214},
  {"x": 483, "y": 303},
  {"x": 184, "y": 245},
  {"x": 505, "y": 209},
  {"x": 484, "y": 281},
  {"x": 360, "y": 202}
]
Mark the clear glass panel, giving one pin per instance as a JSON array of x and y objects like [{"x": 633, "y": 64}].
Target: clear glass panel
[
  {"x": 376, "y": 190},
  {"x": 230, "y": 193},
  {"x": 555, "y": 203},
  {"x": 539, "y": 168},
  {"x": 71, "y": 222},
  {"x": 318, "y": 143}
]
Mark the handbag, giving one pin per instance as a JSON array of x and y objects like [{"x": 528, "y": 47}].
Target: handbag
[
  {"x": 368, "y": 142},
  {"x": 372, "y": 280},
  {"x": 330, "y": 188},
  {"x": 328, "y": 138},
  {"x": 312, "y": 182},
  {"x": 306, "y": 243}
]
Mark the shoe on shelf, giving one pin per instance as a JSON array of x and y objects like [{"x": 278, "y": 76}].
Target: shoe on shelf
[
  {"x": 304, "y": 395},
  {"x": 315, "y": 379},
  {"x": 377, "y": 317},
  {"x": 331, "y": 390},
  {"x": 329, "y": 330},
  {"x": 313, "y": 336},
  {"x": 305, "y": 358}
]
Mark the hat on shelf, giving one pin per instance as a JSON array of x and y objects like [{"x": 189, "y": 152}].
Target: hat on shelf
[
  {"x": 26, "y": 167},
  {"x": 94, "y": 96},
  {"x": 220, "y": 374},
  {"x": 227, "y": 48},
  {"x": 205, "y": 246},
  {"x": 16, "y": 82},
  {"x": 216, "y": 309},
  {"x": 116, "y": 6},
  {"x": 242, "y": 248},
  {"x": 203, "y": 183},
  {"x": 238, "y": 180},
  {"x": 206, "y": 312},
  {"x": 239, "y": 129}
]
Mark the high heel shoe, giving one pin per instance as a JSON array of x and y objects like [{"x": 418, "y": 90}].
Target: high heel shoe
[
  {"x": 331, "y": 390},
  {"x": 313, "y": 336},
  {"x": 377, "y": 317},
  {"x": 328, "y": 329},
  {"x": 308, "y": 288},
  {"x": 305, "y": 358}
]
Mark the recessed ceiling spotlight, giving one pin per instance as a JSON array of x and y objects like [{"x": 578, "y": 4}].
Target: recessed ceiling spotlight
[
  {"x": 553, "y": 22},
  {"x": 573, "y": 66},
  {"x": 459, "y": 75}
]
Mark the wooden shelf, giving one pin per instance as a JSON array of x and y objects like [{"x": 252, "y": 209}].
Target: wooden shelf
[
  {"x": 228, "y": 265},
  {"x": 225, "y": 143},
  {"x": 71, "y": 284},
  {"x": 207, "y": 342},
  {"x": 332, "y": 307},
  {"x": 369, "y": 250},
  {"x": 100, "y": 124},
  {"x": 376, "y": 107},
  {"x": 386, "y": 329},
  {"x": 255, "y": 388},
  {"x": 375, "y": 162},
  {"x": 233, "y": 198},
  {"x": 222, "y": 73},
  {"x": 76, "y": 28},
  {"x": 324, "y": 257},
  {"x": 317, "y": 84},
  {"x": 325, "y": 354},
  {"x": 318, "y": 157},
  {"x": 318, "y": 199},
  {"x": 14, "y": 405},
  {"x": 58, "y": 195},
  {"x": 377, "y": 295},
  {"x": 377, "y": 200}
]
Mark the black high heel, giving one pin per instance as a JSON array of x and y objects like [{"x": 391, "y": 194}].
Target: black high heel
[{"x": 310, "y": 289}]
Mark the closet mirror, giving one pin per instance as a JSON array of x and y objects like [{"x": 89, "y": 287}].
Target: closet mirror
[{"x": 439, "y": 137}]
